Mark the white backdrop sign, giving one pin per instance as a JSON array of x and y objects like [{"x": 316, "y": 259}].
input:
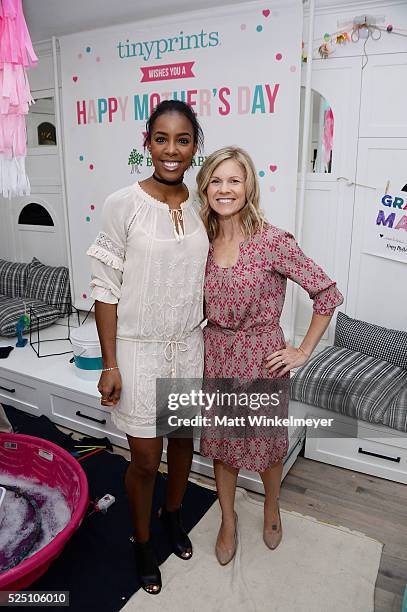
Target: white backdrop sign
[
  {"x": 386, "y": 225},
  {"x": 238, "y": 67}
]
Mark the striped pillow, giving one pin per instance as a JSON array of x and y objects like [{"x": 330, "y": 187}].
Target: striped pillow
[
  {"x": 50, "y": 285},
  {"x": 13, "y": 278},
  {"x": 385, "y": 344},
  {"x": 396, "y": 414},
  {"x": 348, "y": 382},
  {"x": 11, "y": 309}
]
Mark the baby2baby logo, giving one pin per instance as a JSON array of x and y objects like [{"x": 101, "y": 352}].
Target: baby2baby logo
[
  {"x": 136, "y": 160},
  {"x": 393, "y": 215}
]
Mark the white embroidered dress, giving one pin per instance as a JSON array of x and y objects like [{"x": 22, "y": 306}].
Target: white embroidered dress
[{"x": 155, "y": 274}]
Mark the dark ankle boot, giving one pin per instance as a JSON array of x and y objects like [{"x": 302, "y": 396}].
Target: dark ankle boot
[
  {"x": 147, "y": 566},
  {"x": 181, "y": 544}
]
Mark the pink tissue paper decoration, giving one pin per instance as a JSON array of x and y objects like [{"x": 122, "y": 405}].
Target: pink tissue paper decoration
[
  {"x": 328, "y": 136},
  {"x": 16, "y": 54}
]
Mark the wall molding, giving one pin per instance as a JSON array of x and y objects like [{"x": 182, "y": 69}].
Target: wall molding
[
  {"x": 43, "y": 48},
  {"x": 353, "y": 8}
]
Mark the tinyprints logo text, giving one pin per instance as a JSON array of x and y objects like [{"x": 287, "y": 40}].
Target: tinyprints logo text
[{"x": 155, "y": 49}]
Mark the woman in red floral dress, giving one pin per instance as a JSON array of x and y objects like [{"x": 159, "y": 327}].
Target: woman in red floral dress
[{"x": 246, "y": 275}]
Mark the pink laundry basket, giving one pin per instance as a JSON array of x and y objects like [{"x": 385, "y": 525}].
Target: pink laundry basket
[{"x": 28, "y": 457}]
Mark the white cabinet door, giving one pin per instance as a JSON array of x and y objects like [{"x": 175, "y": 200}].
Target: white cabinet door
[
  {"x": 383, "y": 102},
  {"x": 84, "y": 414},
  {"x": 378, "y": 267},
  {"x": 329, "y": 200},
  {"x": 20, "y": 392}
]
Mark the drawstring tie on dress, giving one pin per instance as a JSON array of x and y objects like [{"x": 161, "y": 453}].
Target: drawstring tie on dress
[
  {"x": 171, "y": 350},
  {"x": 177, "y": 219}
]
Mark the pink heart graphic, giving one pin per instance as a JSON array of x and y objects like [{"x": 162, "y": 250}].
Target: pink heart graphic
[
  {"x": 266, "y": 12},
  {"x": 273, "y": 168},
  {"x": 74, "y": 78}
]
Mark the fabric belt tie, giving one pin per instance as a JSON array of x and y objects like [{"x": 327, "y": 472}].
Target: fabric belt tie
[
  {"x": 234, "y": 334},
  {"x": 172, "y": 348},
  {"x": 246, "y": 332}
]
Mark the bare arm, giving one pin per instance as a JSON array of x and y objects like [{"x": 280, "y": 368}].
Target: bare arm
[
  {"x": 287, "y": 258},
  {"x": 296, "y": 357},
  {"x": 319, "y": 323},
  {"x": 106, "y": 323},
  {"x": 110, "y": 382}
]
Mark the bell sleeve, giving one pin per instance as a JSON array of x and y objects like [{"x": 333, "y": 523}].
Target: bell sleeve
[
  {"x": 108, "y": 252},
  {"x": 286, "y": 257}
]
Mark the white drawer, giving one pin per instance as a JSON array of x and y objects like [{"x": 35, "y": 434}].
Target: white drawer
[
  {"x": 18, "y": 394},
  {"x": 378, "y": 458},
  {"x": 82, "y": 417}
]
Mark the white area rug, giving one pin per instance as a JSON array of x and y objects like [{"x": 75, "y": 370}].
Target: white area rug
[{"x": 317, "y": 567}]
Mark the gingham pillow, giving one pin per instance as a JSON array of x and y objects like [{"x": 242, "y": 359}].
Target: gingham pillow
[
  {"x": 50, "y": 285},
  {"x": 11, "y": 309},
  {"x": 386, "y": 344},
  {"x": 13, "y": 278}
]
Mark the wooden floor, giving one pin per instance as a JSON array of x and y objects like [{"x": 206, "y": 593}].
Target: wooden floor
[
  {"x": 374, "y": 506},
  {"x": 371, "y": 505}
]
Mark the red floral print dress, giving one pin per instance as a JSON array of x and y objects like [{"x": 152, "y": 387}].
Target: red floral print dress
[{"x": 243, "y": 306}]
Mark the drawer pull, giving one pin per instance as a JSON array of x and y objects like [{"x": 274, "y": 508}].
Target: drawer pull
[
  {"x": 85, "y": 416},
  {"x": 9, "y": 390},
  {"x": 363, "y": 452}
]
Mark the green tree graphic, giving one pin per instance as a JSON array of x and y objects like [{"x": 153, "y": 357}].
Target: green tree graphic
[{"x": 135, "y": 160}]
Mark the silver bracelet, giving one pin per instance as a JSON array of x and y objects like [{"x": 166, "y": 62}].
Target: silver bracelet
[{"x": 110, "y": 369}]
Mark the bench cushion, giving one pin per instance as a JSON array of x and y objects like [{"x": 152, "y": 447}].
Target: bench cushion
[
  {"x": 348, "y": 382},
  {"x": 11, "y": 310},
  {"x": 373, "y": 340}
]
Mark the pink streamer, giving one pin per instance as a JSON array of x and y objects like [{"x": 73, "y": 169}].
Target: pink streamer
[
  {"x": 15, "y": 42},
  {"x": 15, "y": 95},
  {"x": 328, "y": 135},
  {"x": 13, "y": 136},
  {"x": 16, "y": 54}
]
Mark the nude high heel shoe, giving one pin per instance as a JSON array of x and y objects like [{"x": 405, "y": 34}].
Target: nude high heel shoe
[
  {"x": 225, "y": 555},
  {"x": 273, "y": 538}
]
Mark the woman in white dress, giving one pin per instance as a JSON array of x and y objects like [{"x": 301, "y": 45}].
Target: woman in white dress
[{"x": 148, "y": 265}]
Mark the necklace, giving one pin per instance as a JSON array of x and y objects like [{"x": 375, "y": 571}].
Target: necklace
[{"x": 165, "y": 182}]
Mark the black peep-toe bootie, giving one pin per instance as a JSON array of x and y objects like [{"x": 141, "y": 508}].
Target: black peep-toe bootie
[
  {"x": 147, "y": 566},
  {"x": 181, "y": 544}
]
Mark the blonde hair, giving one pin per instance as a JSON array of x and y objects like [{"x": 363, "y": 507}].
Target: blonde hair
[{"x": 251, "y": 216}]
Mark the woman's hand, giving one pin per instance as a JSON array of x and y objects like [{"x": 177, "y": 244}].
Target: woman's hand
[
  {"x": 110, "y": 386},
  {"x": 286, "y": 359}
]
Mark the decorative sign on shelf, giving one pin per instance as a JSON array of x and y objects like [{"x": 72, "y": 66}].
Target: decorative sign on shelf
[{"x": 386, "y": 234}]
